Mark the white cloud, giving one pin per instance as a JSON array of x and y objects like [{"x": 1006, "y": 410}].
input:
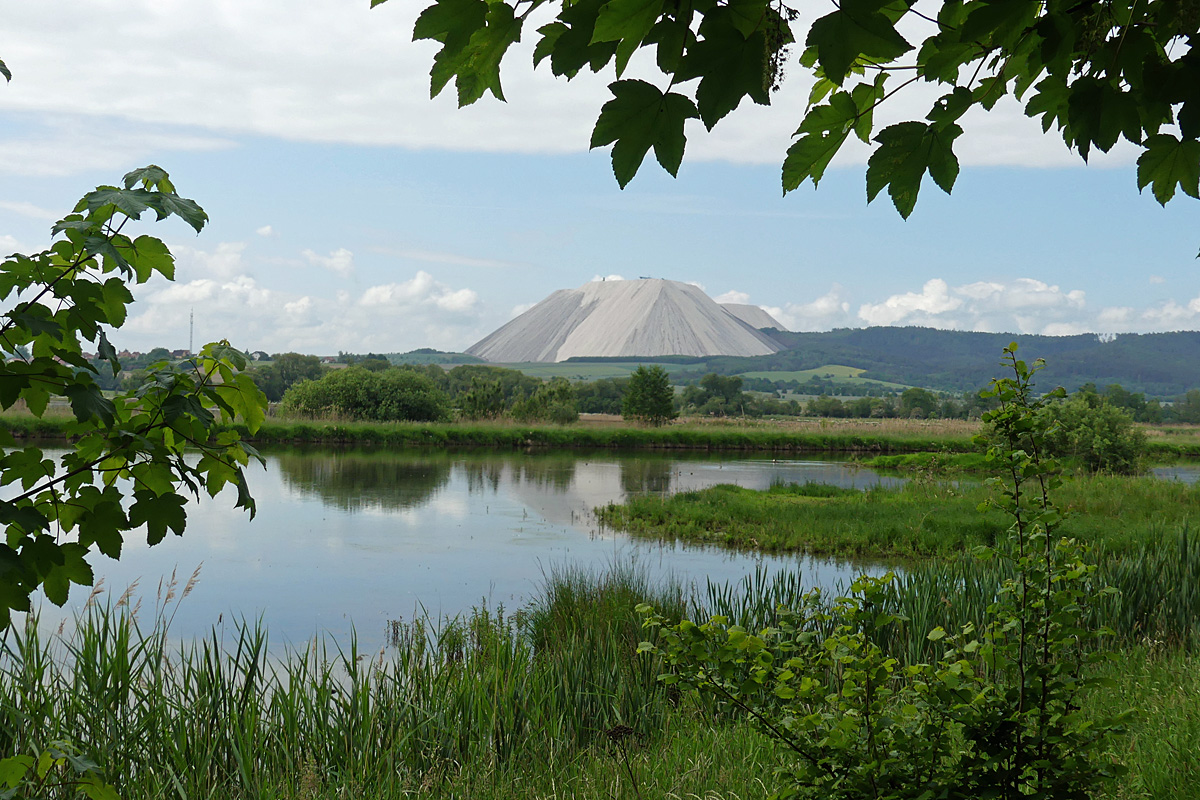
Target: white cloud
[
  {"x": 421, "y": 290},
  {"x": 733, "y": 296},
  {"x": 339, "y": 262},
  {"x": 334, "y": 71},
  {"x": 934, "y": 299},
  {"x": 274, "y": 314},
  {"x": 518, "y": 310},
  {"x": 9, "y": 244},
  {"x": 224, "y": 262},
  {"x": 265, "y": 230},
  {"x": 1157, "y": 279}
]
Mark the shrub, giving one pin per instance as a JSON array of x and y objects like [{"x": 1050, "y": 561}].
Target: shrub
[
  {"x": 390, "y": 395},
  {"x": 1097, "y": 434}
]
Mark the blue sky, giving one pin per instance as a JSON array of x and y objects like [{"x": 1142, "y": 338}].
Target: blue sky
[{"x": 350, "y": 212}]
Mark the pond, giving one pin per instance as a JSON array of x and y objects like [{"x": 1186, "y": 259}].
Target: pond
[{"x": 346, "y": 540}]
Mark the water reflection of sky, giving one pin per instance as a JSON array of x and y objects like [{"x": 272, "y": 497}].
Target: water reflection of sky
[{"x": 346, "y": 538}]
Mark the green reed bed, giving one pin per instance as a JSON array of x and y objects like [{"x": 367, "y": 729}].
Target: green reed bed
[
  {"x": 551, "y": 701},
  {"x": 923, "y": 518}
]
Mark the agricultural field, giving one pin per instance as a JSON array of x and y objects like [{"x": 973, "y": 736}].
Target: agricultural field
[
  {"x": 838, "y": 372},
  {"x": 585, "y": 371}
]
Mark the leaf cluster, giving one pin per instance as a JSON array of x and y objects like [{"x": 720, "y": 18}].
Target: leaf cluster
[
  {"x": 58, "y": 771},
  {"x": 1095, "y": 72},
  {"x": 56, "y": 513}
]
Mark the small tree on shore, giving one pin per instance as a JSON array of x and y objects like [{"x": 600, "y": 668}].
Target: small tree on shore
[{"x": 649, "y": 398}]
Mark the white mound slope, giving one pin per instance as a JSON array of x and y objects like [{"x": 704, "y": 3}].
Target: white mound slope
[
  {"x": 753, "y": 316},
  {"x": 624, "y": 318}
]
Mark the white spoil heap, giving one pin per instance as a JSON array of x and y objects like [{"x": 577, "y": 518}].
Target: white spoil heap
[{"x": 641, "y": 318}]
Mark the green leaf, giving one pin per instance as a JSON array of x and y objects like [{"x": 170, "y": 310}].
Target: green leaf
[
  {"x": 14, "y": 769},
  {"x": 1099, "y": 113},
  {"x": 87, "y": 403},
  {"x": 1169, "y": 163},
  {"x": 808, "y": 158},
  {"x": 856, "y": 29},
  {"x": 451, "y": 22},
  {"x": 480, "y": 70},
  {"x": 56, "y": 582},
  {"x": 626, "y": 19},
  {"x": 906, "y": 151},
  {"x": 4, "y": 71},
  {"x": 185, "y": 209},
  {"x": 729, "y": 66},
  {"x": 158, "y": 513},
  {"x": 641, "y": 116},
  {"x": 150, "y": 177},
  {"x": 747, "y": 15},
  {"x": 130, "y": 202}
]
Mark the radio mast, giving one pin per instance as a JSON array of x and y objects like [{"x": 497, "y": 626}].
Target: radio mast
[{"x": 191, "y": 331}]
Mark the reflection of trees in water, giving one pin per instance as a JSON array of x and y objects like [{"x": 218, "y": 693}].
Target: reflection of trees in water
[
  {"x": 484, "y": 475},
  {"x": 644, "y": 475},
  {"x": 550, "y": 471},
  {"x": 546, "y": 471},
  {"x": 355, "y": 480}
]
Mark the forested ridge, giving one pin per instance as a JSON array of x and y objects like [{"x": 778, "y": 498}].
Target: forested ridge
[{"x": 1158, "y": 364}]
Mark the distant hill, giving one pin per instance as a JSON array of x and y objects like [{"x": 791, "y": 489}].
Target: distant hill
[
  {"x": 1159, "y": 364},
  {"x": 427, "y": 355}
]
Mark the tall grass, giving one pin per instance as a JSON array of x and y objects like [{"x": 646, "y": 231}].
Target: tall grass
[
  {"x": 451, "y": 705},
  {"x": 548, "y": 701}
]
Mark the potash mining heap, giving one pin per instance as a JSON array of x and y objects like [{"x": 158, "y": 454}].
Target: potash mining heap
[{"x": 634, "y": 319}]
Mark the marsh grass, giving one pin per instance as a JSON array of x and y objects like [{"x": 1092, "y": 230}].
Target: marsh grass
[
  {"x": 925, "y": 517},
  {"x": 493, "y": 704},
  {"x": 550, "y": 701}
]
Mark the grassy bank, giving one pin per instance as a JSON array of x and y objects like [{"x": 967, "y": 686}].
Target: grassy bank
[
  {"x": 550, "y": 702},
  {"x": 889, "y": 436},
  {"x": 921, "y": 519}
]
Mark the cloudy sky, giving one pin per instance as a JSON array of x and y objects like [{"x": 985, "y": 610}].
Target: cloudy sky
[{"x": 351, "y": 212}]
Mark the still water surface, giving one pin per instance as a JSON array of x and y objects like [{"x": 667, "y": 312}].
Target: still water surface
[{"x": 348, "y": 539}]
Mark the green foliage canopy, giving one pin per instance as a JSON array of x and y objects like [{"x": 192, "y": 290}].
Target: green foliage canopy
[
  {"x": 1095, "y": 72},
  {"x": 125, "y": 468},
  {"x": 649, "y": 397},
  {"x": 390, "y": 395},
  {"x": 1097, "y": 433},
  {"x": 285, "y": 370}
]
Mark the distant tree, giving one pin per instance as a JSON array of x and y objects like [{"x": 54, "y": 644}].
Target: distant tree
[
  {"x": 603, "y": 396},
  {"x": 649, "y": 398},
  {"x": 484, "y": 400},
  {"x": 825, "y": 406},
  {"x": 284, "y": 371},
  {"x": 1187, "y": 408},
  {"x": 554, "y": 401},
  {"x": 916, "y": 402}
]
